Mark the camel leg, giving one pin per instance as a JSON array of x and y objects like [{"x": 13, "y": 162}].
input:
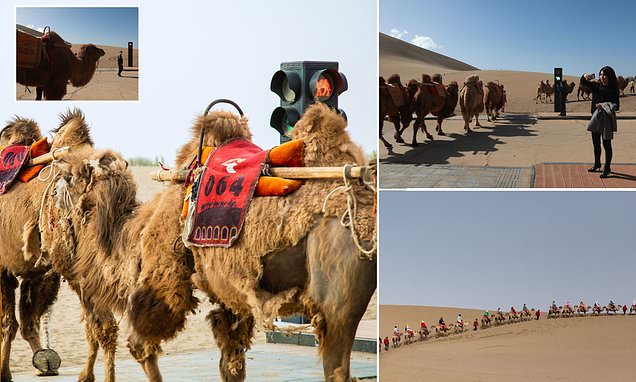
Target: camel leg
[
  {"x": 438, "y": 128},
  {"x": 477, "y": 120},
  {"x": 87, "y": 375},
  {"x": 466, "y": 123},
  {"x": 337, "y": 303},
  {"x": 233, "y": 336},
  {"x": 38, "y": 93},
  {"x": 54, "y": 91},
  {"x": 398, "y": 132},
  {"x": 8, "y": 284},
  {"x": 147, "y": 354},
  {"x": 101, "y": 330},
  {"x": 386, "y": 143},
  {"x": 36, "y": 297}
]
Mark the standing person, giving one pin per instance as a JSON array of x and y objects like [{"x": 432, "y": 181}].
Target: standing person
[
  {"x": 606, "y": 90},
  {"x": 120, "y": 63},
  {"x": 386, "y": 343},
  {"x": 475, "y": 324}
]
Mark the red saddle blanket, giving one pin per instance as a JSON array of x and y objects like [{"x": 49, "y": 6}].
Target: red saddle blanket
[
  {"x": 12, "y": 158},
  {"x": 224, "y": 192}
]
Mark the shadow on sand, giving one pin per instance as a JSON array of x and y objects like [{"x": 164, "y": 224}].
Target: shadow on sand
[{"x": 482, "y": 140}]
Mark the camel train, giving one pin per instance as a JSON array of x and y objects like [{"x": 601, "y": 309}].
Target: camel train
[
  {"x": 399, "y": 102},
  {"x": 81, "y": 220},
  {"x": 500, "y": 318},
  {"x": 545, "y": 90}
]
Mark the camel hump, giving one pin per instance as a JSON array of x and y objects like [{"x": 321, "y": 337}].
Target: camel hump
[
  {"x": 472, "y": 80},
  {"x": 57, "y": 40},
  {"x": 395, "y": 79}
]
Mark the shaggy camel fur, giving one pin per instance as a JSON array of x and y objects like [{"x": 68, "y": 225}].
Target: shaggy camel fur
[
  {"x": 293, "y": 258},
  {"x": 132, "y": 243},
  {"x": 471, "y": 101},
  {"x": 305, "y": 260},
  {"x": 425, "y": 102},
  {"x": 20, "y": 253},
  {"x": 493, "y": 99},
  {"x": 62, "y": 66},
  {"x": 396, "y": 113}
]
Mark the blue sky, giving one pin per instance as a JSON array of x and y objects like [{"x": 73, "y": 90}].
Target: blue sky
[
  {"x": 100, "y": 26},
  {"x": 490, "y": 249},
  {"x": 192, "y": 53},
  {"x": 578, "y": 35}
]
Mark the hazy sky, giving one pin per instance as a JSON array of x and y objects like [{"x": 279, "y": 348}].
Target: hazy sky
[
  {"x": 490, "y": 249},
  {"x": 191, "y": 53},
  {"x": 100, "y": 26},
  {"x": 538, "y": 35}
]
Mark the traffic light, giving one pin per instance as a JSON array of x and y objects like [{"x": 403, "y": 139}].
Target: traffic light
[
  {"x": 301, "y": 83},
  {"x": 558, "y": 89}
]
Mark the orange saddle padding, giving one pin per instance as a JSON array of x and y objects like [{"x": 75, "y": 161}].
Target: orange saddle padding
[
  {"x": 40, "y": 147},
  {"x": 288, "y": 154}
]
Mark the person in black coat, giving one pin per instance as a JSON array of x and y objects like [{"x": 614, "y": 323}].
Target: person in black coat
[
  {"x": 120, "y": 63},
  {"x": 605, "y": 90}
]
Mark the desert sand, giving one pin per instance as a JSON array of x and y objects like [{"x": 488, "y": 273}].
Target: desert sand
[
  {"x": 66, "y": 331},
  {"x": 572, "y": 349},
  {"x": 105, "y": 84}
]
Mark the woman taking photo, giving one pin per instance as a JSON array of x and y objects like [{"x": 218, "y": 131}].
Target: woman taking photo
[{"x": 605, "y": 90}]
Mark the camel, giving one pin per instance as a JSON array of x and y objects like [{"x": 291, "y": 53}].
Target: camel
[
  {"x": 423, "y": 334},
  {"x": 471, "y": 100},
  {"x": 622, "y": 84},
  {"x": 485, "y": 322},
  {"x": 544, "y": 90},
  {"x": 92, "y": 217},
  {"x": 428, "y": 100},
  {"x": 493, "y": 99},
  {"x": 396, "y": 340},
  {"x": 311, "y": 253},
  {"x": 61, "y": 66},
  {"x": 400, "y": 111},
  {"x": 569, "y": 87},
  {"x": 22, "y": 262},
  {"x": 583, "y": 92}
]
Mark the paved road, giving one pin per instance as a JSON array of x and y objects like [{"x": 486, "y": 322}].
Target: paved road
[
  {"x": 502, "y": 154},
  {"x": 266, "y": 362}
]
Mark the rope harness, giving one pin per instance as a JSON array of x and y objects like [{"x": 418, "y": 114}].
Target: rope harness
[{"x": 348, "y": 217}]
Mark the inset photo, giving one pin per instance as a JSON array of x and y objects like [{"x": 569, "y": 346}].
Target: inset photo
[
  {"x": 505, "y": 286},
  {"x": 77, "y": 53}
]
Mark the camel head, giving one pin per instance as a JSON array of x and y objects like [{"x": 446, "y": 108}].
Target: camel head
[
  {"x": 90, "y": 53},
  {"x": 217, "y": 127},
  {"x": 99, "y": 189},
  {"x": 72, "y": 131},
  {"x": 452, "y": 88},
  {"x": 412, "y": 87},
  {"x": 20, "y": 131},
  {"x": 327, "y": 143}
]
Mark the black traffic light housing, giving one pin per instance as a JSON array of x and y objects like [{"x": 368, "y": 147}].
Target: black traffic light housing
[
  {"x": 558, "y": 90},
  {"x": 300, "y": 84}
]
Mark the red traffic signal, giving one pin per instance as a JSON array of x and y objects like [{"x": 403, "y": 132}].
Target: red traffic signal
[{"x": 298, "y": 84}]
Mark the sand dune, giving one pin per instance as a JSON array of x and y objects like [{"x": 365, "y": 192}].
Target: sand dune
[
  {"x": 404, "y": 51},
  {"x": 582, "y": 349},
  {"x": 410, "y": 61}
]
